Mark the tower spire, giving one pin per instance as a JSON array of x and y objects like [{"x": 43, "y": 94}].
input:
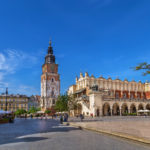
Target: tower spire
[
  {"x": 50, "y": 57},
  {"x": 50, "y": 43}
]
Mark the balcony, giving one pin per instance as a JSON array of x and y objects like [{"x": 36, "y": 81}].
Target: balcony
[{"x": 83, "y": 98}]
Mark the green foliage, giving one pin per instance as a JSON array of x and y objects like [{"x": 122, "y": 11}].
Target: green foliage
[
  {"x": 47, "y": 111},
  {"x": 72, "y": 103},
  {"x": 129, "y": 114},
  {"x": 62, "y": 103},
  {"x": 20, "y": 112},
  {"x": 143, "y": 66},
  {"x": 33, "y": 110}
]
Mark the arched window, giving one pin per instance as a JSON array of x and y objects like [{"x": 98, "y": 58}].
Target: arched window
[
  {"x": 138, "y": 95},
  {"x": 124, "y": 95},
  {"x": 52, "y": 93},
  {"x": 131, "y": 95},
  {"x": 117, "y": 95},
  {"x": 53, "y": 101},
  {"x": 52, "y": 80}
]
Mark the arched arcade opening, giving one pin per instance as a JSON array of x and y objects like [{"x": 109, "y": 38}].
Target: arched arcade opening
[{"x": 106, "y": 110}]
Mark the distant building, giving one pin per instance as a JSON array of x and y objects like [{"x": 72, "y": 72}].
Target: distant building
[
  {"x": 107, "y": 97},
  {"x": 34, "y": 101},
  {"x": 13, "y": 102},
  {"x": 50, "y": 80}
]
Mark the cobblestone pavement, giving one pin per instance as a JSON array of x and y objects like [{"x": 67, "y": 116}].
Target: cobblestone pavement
[
  {"x": 111, "y": 118},
  {"x": 36, "y": 134},
  {"x": 138, "y": 126}
]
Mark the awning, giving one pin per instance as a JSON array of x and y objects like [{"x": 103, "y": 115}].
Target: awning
[
  {"x": 5, "y": 112},
  {"x": 143, "y": 111},
  {"x": 79, "y": 91},
  {"x": 40, "y": 112}
]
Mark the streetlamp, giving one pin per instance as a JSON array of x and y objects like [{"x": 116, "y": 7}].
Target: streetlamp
[{"x": 6, "y": 98}]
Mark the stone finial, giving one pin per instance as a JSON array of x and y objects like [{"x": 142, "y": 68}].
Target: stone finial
[
  {"x": 92, "y": 76},
  {"x": 86, "y": 74},
  {"x": 76, "y": 78},
  {"x": 81, "y": 75},
  {"x": 125, "y": 79},
  {"x": 109, "y": 77},
  {"x": 101, "y": 76},
  {"x": 146, "y": 81}
]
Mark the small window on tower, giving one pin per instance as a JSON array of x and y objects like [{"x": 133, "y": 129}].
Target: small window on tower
[{"x": 52, "y": 80}]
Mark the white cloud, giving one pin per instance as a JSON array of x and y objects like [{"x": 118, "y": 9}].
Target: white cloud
[
  {"x": 11, "y": 61},
  {"x": 24, "y": 89}
]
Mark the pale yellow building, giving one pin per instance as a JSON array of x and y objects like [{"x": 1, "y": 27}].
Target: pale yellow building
[
  {"x": 14, "y": 102},
  {"x": 102, "y": 97}
]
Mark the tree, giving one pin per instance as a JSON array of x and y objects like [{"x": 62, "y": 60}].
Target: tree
[
  {"x": 62, "y": 103},
  {"x": 72, "y": 102},
  {"x": 47, "y": 111},
  {"x": 33, "y": 110},
  {"x": 143, "y": 66},
  {"x": 20, "y": 112}
]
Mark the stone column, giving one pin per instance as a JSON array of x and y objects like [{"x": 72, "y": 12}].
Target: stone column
[
  {"x": 129, "y": 94},
  {"x": 135, "y": 95},
  {"x": 100, "y": 112},
  {"x": 129, "y": 111},
  {"x": 120, "y": 113},
  {"x": 110, "y": 112}
]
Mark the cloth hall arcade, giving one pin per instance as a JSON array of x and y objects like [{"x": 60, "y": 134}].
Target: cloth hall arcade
[{"x": 103, "y": 97}]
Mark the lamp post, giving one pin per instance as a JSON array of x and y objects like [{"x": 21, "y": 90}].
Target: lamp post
[{"x": 6, "y": 98}]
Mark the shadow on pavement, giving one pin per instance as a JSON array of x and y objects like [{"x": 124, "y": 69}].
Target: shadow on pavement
[{"x": 12, "y": 133}]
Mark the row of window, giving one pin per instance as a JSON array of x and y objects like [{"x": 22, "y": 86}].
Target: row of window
[
  {"x": 10, "y": 100},
  {"x": 17, "y": 105},
  {"x": 125, "y": 95}
]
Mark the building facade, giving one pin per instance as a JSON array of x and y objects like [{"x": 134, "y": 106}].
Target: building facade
[
  {"x": 34, "y": 101},
  {"x": 103, "y": 97},
  {"x": 50, "y": 80},
  {"x": 13, "y": 102}
]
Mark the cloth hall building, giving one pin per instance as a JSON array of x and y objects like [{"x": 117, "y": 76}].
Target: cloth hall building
[{"x": 103, "y": 97}]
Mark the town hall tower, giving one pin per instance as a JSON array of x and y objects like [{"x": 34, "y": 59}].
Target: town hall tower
[{"x": 50, "y": 80}]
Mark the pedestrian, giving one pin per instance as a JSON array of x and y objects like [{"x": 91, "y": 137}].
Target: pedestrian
[
  {"x": 25, "y": 116},
  {"x": 61, "y": 119},
  {"x": 67, "y": 117},
  {"x": 81, "y": 117}
]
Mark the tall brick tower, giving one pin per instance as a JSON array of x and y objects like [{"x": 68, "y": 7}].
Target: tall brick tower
[{"x": 50, "y": 80}]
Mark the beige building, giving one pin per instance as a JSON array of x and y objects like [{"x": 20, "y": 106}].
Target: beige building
[
  {"x": 102, "y": 97},
  {"x": 14, "y": 102}
]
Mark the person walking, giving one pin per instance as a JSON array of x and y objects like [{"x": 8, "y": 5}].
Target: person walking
[
  {"x": 81, "y": 117},
  {"x": 61, "y": 119}
]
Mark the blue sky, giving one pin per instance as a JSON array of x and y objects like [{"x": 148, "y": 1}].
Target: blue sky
[{"x": 102, "y": 37}]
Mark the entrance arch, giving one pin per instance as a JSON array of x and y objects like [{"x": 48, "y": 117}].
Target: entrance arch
[
  {"x": 140, "y": 107},
  {"x": 124, "y": 109},
  {"x": 106, "y": 109},
  {"x": 148, "y": 106},
  {"x": 133, "y": 108},
  {"x": 97, "y": 113},
  {"x": 115, "y": 109}
]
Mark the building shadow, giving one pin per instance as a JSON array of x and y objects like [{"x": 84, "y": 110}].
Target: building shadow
[{"x": 13, "y": 133}]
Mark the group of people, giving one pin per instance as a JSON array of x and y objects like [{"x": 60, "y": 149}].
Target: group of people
[
  {"x": 63, "y": 118},
  {"x": 81, "y": 117}
]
